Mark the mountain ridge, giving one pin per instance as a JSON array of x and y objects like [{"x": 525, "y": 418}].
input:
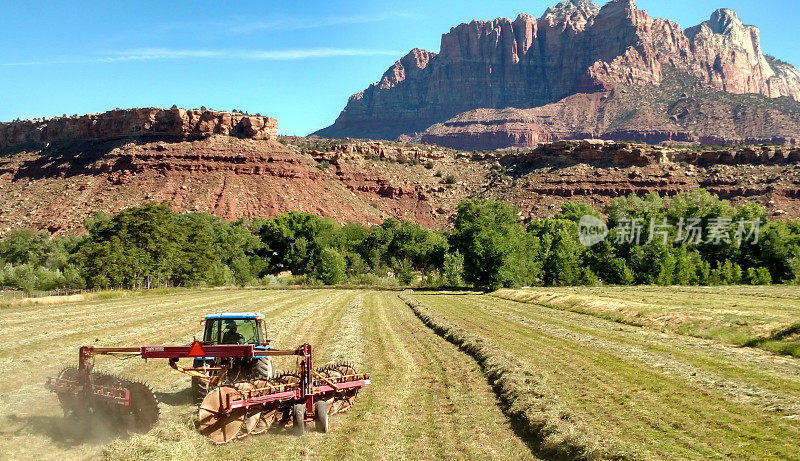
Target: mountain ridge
[{"x": 575, "y": 47}]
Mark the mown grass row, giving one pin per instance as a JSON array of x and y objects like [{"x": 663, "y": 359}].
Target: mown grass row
[
  {"x": 756, "y": 320},
  {"x": 532, "y": 406},
  {"x": 652, "y": 394}
]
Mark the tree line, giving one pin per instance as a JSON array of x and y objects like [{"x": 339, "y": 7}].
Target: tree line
[{"x": 487, "y": 248}]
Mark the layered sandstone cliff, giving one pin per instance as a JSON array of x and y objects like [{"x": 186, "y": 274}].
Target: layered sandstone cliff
[
  {"x": 576, "y": 47},
  {"x": 681, "y": 109},
  {"x": 146, "y": 122},
  {"x": 57, "y": 187}
]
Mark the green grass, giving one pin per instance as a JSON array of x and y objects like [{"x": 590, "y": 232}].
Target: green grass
[
  {"x": 428, "y": 400},
  {"x": 654, "y": 394},
  {"x": 763, "y": 317},
  {"x": 524, "y": 395},
  {"x": 676, "y": 387}
]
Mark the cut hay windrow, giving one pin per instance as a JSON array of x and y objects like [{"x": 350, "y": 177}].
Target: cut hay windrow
[{"x": 524, "y": 396}]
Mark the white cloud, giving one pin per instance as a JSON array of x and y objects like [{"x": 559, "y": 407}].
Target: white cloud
[
  {"x": 166, "y": 54},
  {"x": 313, "y": 53},
  {"x": 299, "y": 23},
  {"x": 151, "y": 54}
]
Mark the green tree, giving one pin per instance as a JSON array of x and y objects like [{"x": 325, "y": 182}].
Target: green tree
[
  {"x": 777, "y": 249},
  {"x": 488, "y": 233},
  {"x": 295, "y": 240},
  {"x": 686, "y": 267},
  {"x": 454, "y": 269},
  {"x": 133, "y": 248},
  {"x": 561, "y": 251},
  {"x": 618, "y": 272},
  {"x": 762, "y": 276},
  {"x": 23, "y": 246},
  {"x": 24, "y": 277},
  {"x": 574, "y": 211},
  {"x": 405, "y": 272},
  {"x": 331, "y": 267}
]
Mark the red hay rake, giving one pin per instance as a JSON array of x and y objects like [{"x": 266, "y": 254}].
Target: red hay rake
[{"x": 231, "y": 409}]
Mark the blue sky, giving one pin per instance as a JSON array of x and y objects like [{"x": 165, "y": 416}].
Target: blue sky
[{"x": 296, "y": 61}]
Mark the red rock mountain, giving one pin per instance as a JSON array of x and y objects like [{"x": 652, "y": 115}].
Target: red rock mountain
[
  {"x": 579, "y": 60},
  {"x": 56, "y": 173}
]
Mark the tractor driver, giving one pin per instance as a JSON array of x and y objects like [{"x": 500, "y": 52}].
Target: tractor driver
[{"x": 231, "y": 335}]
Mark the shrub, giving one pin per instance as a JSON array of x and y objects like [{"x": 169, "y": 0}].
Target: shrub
[{"x": 758, "y": 276}]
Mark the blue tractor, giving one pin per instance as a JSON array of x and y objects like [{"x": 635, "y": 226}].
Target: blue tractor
[{"x": 234, "y": 328}]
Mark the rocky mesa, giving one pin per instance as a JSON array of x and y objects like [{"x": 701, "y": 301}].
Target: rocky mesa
[
  {"x": 505, "y": 83},
  {"x": 149, "y": 122}
]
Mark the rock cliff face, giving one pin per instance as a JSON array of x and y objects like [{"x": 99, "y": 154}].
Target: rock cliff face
[
  {"x": 57, "y": 187},
  {"x": 146, "y": 122},
  {"x": 680, "y": 109},
  {"x": 576, "y": 47}
]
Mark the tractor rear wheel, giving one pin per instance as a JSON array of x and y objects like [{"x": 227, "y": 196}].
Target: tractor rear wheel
[
  {"x": 262, "y": 368},
  {"x": 246, "y": 370},
  {"x": 200, "y": 389},
  {"x": 299, "y": 418},
  {"x": 321, "y": 415}
]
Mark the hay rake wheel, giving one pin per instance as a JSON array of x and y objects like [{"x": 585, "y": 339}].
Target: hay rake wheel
[
  {"x": 69, "y": 400},
  {"x": 125, "y": 405},
  {"x": 342, "y": 400},
  {"x": 139, "y": 415},
  {"x": 252, "y": 414},
  {"x": 216, "y": 420},
  {"x": 269, "y": 415}
]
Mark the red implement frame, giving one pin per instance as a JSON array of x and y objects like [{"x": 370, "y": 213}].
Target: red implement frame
[{"x": 312, "y": 386}]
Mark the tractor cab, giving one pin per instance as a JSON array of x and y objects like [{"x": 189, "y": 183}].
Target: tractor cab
[{"x": 235, "y": 328}]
